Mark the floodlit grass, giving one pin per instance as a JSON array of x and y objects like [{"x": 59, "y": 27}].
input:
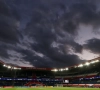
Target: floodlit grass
[{"x": 51, "y": 88}]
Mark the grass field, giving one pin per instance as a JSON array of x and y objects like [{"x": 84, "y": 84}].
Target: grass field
[{"x": 64, "y": 88}]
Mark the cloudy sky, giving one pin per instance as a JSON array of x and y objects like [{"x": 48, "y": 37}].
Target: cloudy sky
[{"x": 49, "y": 33}]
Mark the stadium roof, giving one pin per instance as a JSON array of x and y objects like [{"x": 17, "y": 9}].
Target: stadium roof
[{"x": 35, "y": 68}]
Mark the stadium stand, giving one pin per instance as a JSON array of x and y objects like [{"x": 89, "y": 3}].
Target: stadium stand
[{"x": 83, "y": 75}]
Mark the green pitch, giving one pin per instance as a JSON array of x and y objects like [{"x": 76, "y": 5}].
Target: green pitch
[{"x": 63, "y": 88}]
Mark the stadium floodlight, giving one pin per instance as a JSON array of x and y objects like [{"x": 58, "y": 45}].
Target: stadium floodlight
[
  {"x": 55, "y": 70},
  {"x": 8, "y": 67},
  {"x": 61, "y": 70},
  {"x": 19, "y": 68},
  {"x": 14, "y": 68},
  {"x": 92, "y": 62},
  {"x": 4, "y": 65},
  {"x": 87, "y": 63},
  {"x": 81, "y": 65},
  {"x": 66, "y": 69},
  {"x": 97, "y": 61}
]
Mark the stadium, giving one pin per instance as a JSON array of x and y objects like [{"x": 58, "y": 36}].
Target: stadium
[
  {"x": 49, "y": 44},
  {"x": 85, "y": 75}
]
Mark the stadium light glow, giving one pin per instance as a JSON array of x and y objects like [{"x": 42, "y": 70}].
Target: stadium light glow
[
  {"x": 87, "y": 63},
  {"x": 8, "y": 67},
  {"x": 75, "y": 66},
  {"x": 97, "y": 61},
  {"x": 61, "y": 69},
  {"x": 4, "y": 65},
  {"x": 81, "y": 65},
  {"x": 19, "y": 68},
  {"x": 14, "y": 68},
  {"x": 66, "y": 69},
  {"x": 55, "y": 70},
  {"x": 92, "y": 62}
]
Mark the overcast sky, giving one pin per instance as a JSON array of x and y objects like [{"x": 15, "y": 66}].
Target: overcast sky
[{"x": 49, "y": 33}]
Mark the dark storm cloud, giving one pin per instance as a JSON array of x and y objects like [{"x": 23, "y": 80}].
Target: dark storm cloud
[
  {"x": 9, "y": 34},
  {"x": 8, "y": 24},
  {"x": 34, "y": 59},
  {"x": 60, "y": 20},
  {"x": 51, "y": 58},
  {"x": 42, "y": 33},
  {"x": 86, "y": 13},
  {"x": 80, "y": 13},
  {"x": 93, "y": 45},
  {"x": 48, "y": 23},
  {"x": 50, "y": 30},
  {"x": 3, "y": 51},
  {"x": 76, "y": 47}
]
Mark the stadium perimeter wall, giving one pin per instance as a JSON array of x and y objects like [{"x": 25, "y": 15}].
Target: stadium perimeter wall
[
  {"x": 82, "y": 85},
  {"x": 64, "y": 85}
]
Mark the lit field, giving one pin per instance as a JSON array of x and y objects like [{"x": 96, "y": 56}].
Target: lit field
[{"x": 63, "y": 88}]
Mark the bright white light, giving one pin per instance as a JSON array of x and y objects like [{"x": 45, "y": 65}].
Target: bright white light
[
  {"x": 81, "y": 65},
  {"x": 15, "y": 68},
  {"x": 9, "y": 66},
  {"x": 55, "y": 70},
  {"x": 97, "y": 61},
  {"x": 87, "y": 63},
  {"x": 19, "y": 68},
  {"x": 4, "y": 65},
  {"x": 66, "y": 69},
  {"x": 61, "y": 69},
  {"x": 92, "y": 62}
]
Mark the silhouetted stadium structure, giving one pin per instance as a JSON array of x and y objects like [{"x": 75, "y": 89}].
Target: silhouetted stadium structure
[{"x": 83, "y": 75}]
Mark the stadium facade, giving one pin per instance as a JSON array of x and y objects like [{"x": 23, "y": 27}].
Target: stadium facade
[{"x": 83, "y": 75}]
